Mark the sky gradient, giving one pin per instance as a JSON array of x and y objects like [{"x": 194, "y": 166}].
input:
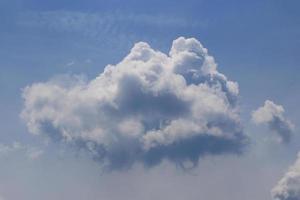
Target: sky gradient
[{"x": 255, "y": 44}]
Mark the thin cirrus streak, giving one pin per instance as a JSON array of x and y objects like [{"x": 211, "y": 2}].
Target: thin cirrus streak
[
  {"x": 107, "y": 29},
  {"x": 29, "y": 152},
  {"x": 149, "y": 107},
  {"x": 96, "y": 24}
]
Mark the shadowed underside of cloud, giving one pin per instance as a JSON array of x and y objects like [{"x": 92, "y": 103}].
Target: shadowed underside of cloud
[
  {"x": 149, "y": 107},
  {"x": 272, "y": 115},
  {"x": 288, "y": 188}
]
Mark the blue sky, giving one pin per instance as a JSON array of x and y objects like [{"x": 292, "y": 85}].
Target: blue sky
[{"x": 255, "y": 43}]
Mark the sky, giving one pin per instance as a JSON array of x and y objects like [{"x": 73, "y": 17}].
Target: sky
[{"x": 136, "y": 100}]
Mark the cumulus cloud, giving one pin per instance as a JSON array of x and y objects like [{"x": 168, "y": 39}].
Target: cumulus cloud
[
  {"x": 272, "y": 115},
  {"x": 288, "y": 188},
  {"x": 149, "y": 107}
]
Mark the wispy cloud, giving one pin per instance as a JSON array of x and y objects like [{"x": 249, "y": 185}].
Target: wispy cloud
[
  {"x": 70, "y": 64},
  {"x": 117, "y": 25},
  {"x": 84, "y": 21},
  {"x": 29, "y": 152}
]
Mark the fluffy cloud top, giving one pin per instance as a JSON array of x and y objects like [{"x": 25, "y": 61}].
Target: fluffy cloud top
[
  {"x": 149, "y": 107},
  {"x": 272, "y": 115},
  {"x": 288, "y": 188}
]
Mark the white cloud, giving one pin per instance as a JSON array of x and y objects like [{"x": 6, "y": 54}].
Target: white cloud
[
  {"x": 272, "y": 115},
  {"x": 288, "y": 188},
  {"x": 144, "y": 108}
]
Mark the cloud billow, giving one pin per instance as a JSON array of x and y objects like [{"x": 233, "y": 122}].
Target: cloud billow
[
  {"x": 272, "y": 115},
  {"x": 288, "y": 188},
  {"x": 149, "y": 107}
]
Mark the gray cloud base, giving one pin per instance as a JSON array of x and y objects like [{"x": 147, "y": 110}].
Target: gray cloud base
[{"x": 149, "y": 107}]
